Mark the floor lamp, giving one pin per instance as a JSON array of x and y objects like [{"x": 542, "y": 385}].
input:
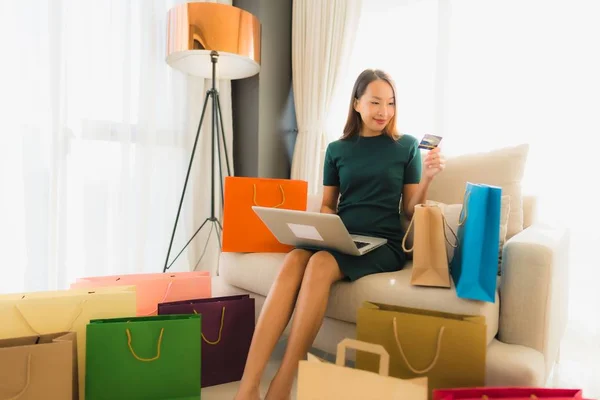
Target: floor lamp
[{"x": 211, "y": 40}]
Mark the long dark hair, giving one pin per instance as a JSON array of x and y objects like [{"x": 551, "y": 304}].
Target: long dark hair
[{"x": 354, "y": 122}]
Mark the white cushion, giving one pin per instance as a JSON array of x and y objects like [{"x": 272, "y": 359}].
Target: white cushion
[
  {"x": 503, "y": 167},
  {"x": 255, "y": 272}
]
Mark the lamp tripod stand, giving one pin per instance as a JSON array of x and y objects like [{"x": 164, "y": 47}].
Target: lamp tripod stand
[{"x": 217, "y": 134}]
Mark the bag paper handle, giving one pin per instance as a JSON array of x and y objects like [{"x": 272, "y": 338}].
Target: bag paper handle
[
  {"x": 158, "y": 345},
  {"x": 162, "y": 301},
  {"x": 27, "y": 380},
  {"x": 215, "y": 342},
  {"x": 30, "y": 326},
  {"x": 275, "y": 206},
  {"x": 384, "y": 357},
  {"x": 437, "y": 351}
]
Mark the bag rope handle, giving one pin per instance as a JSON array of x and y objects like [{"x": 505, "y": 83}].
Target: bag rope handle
[
  {"x": 445, "y": 236},
  {"x": 406, "y": 236},
  {"x": 447, "y": 225},
  {"x": 158, "y": 345},
  {"x": 220, "y": 329},
  {"x": 465, "y": 210},
  {"x": 69, "y": 328},
  {"x": 275, "y": 206},
  {"x": 437, "y": 351},
  {"x": 162, "y": 301},
  {"x": 27, "y": 380}
]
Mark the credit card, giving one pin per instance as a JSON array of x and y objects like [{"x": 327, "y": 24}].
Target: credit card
[{"x": 430, "y": 142}]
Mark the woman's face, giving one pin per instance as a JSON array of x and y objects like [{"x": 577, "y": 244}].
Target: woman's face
[{"x": 376, "y": 106}]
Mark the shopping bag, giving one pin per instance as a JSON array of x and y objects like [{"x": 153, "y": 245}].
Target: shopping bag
[
  {"x": 430, "y": 257},
  {"x": 318, "y": 380},
  {"x": 243, "y": 230},
  {"x": 144, "y": 358},
  {"x": 448, "y": 349},
  {"x": 512, "y": 393},
  {"x": 40, "y": 313},
  {"x": 474, "y": 267},
  {"x": 39, "y": 367},
  {"x": 155, "y": 288},
  {"x": 227, "y": 329}
]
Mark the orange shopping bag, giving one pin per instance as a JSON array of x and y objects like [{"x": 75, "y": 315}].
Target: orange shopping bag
[
  {"x": 243, "y": 231},
  {"x": 155, "y": 288}
]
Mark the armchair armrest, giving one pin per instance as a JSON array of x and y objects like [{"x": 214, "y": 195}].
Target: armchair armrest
[{"x": 534, "y": 290}]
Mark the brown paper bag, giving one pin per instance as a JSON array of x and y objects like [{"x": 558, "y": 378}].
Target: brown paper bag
[
  {"x": 39, "y": 367},
  {"x": 448, "y": 349},
  {"x": 430, "y": 258},
  {"x": 319, "y": 380}
]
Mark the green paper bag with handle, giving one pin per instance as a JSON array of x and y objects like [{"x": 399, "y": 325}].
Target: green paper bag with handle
[
  {"x": 448, "y": 349},
  {"x": 145, "y": 358}
]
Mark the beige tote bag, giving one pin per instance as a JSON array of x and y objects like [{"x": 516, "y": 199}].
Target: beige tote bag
[
  {"x": 430, "y": 258},
  {"x": 319, "y": 380},
  {"x": 39, "y": 367}
]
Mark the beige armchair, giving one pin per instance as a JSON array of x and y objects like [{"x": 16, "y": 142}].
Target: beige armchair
[{"x": 525, "y": 324}]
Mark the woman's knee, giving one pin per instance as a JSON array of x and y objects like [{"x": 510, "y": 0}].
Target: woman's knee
[
  {"x": 294, "y": 264},
  {"x": 323, "y": 268}
]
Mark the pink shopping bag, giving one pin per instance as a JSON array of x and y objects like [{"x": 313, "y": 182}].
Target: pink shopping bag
[{"x": 155, "y": 288}]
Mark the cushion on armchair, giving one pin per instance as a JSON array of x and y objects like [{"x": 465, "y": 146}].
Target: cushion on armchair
[
  {"x": 452, "y": 214},
  {"x": 502, "y": 167}
]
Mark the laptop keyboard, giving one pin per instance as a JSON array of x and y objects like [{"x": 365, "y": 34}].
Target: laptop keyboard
[{"x": 361, "y": 244}]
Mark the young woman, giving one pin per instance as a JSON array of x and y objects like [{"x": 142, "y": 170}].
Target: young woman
[{"x": 371, "y": 167}]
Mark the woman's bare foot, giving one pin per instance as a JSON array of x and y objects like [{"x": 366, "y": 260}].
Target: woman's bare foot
[
  {"x": 280, "y": 389},
  {"x": 252, "y": 394}
]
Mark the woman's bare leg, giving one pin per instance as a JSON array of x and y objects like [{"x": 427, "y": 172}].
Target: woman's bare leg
[
  {"x": 273, "y": 319},
  {"x": 322, "y": 271}
]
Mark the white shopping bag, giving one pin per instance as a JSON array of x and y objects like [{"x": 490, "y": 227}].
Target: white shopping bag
[
  {"x": 41, "y": 313},
  {"x": 318, "y": 380}
]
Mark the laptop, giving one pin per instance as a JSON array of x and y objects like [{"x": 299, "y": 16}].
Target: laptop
[{"x": 315, "y": 230}]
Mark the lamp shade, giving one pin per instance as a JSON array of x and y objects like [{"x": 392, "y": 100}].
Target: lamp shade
[{"x": 196, "y": 29}]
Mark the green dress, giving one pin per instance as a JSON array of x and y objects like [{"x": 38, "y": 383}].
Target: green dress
[{"x": 370, "y": 173}]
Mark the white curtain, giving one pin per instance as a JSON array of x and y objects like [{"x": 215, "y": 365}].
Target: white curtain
[
  {"x": 96, "y": 132},
  {"x": 491, "y": 73},
  {"x": 322, "y": 37}
]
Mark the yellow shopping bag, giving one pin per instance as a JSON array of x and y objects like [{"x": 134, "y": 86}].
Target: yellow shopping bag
[
  {"x": 448, "y": 349},
  {"x": 40, "y": 313}
]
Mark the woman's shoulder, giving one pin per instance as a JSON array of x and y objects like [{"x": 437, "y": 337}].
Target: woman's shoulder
[
  {"x": 408, "y": 140},
  {"x": 336, "y": 145},
  {"x": 407, "y": 143}
]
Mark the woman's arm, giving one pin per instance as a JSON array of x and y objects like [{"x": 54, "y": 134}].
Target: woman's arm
[
  {"x": 330, "y": 199},
  {"x": 413, "y": 194}
]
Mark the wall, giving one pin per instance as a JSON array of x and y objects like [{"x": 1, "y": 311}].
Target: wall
[{"x": 264, "y": 121}]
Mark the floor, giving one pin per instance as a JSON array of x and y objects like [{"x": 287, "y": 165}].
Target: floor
[
  {"x": 228, "y": 391},
  {"x": 579, "y": 367}
]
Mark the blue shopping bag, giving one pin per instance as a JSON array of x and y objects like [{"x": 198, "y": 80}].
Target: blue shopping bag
[{"x": 474, "y": 267}]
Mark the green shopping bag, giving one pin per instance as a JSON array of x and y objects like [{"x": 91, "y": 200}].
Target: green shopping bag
[{"x": 145, "y": 358}]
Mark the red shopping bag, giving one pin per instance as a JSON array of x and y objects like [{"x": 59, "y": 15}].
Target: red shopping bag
[{"x": 514, "y": 393}]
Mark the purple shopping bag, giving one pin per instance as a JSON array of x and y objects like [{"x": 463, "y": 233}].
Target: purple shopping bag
[{"x": 227, "y": 329}]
